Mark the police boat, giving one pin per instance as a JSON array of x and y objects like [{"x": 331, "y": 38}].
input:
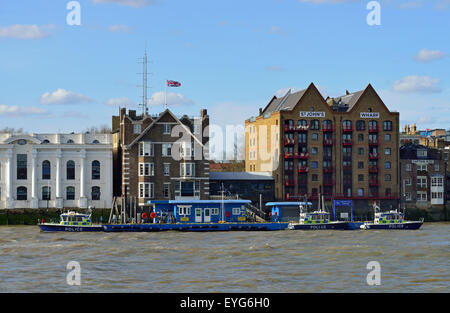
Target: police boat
[
  {"x": 72, "y": 222},
  {"x": 392, "y": 219},
  {"x": 319, "y": 219}
]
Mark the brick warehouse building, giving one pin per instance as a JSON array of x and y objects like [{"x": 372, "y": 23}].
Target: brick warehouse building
[
  {"x": 144, "y": 154},
  {"x": 345, "y": 147}
]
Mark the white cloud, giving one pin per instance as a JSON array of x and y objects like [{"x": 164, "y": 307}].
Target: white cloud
[
  {"x": 19, "y": 31},
  {"x": 422, "y": 84},
  {"x": 131, "y": 3},
  {"x": 61, "y": 96},
  {"x": 173, "y": 99},
  {"x": 275, "y": 68},
  {"x": 120, "y": 102},
  {"x": 15, "y": 110},
  {"x": 426, "y": 55},
  {"x": 119, "y": 28},
  {"x": 276, "y": 30}
]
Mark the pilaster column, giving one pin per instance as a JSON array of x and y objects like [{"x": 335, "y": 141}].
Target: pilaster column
[
  {"x": 34, "y": 197},
  {"x": 59, "y": 199},
  {"x": 9, "y": 181},
  {"x": 83, "y": 199}
]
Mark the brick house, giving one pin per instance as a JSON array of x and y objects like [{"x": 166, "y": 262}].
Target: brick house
[{"x": 160, "y": 157}]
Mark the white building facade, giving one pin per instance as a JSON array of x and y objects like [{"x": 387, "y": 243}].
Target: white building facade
[{"x": 55, "y": 171}]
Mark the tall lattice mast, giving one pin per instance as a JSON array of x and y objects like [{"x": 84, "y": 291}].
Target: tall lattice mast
[{"x": 144, "y": 85}]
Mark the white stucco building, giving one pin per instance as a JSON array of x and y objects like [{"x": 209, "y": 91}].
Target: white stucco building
[{"x": 55, "y": 170}]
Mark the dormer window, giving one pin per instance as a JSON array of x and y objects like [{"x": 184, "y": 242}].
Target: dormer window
[
  {"x": 167, "y": 129},
  {"x": 422, "y": 153},
  {"x": 21, "y": 142},
  {"x": 136, "y": 129}
]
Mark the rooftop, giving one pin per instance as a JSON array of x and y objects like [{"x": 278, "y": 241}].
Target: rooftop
[{"x": 240, "y": 176}]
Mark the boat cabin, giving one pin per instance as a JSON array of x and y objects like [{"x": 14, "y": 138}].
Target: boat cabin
[
  {"x": 73, "y": 218},
  {"x": 200, "y": 211},
  {"x": 316, "y": 217},
  {"x": 391, "y": 217},
  {"x": 287, "y": 211}
]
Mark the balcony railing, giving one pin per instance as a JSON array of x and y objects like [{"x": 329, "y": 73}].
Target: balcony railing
[
  {"x": 328, "y": 128},
  {"x": 373, "y": 156},
  {"x": 347, "y": 142},
  {"x": 328, "y": 142},
  {"x": 289, "y": 141},
  {"x": 374, "y": 183},
  {"x": 373, "y": 129},
  {"x": 289, "y": 128},
  {"x": 303, "y": 156},
  {"x": 302, "y": 128},
  {"x": 303, "y": 169},
  {"x": 328, "y": 182},
  {"x": 328, "y": 169},
  {"x": 373, "y": 169},
  {"x": 347, "y": 128}
]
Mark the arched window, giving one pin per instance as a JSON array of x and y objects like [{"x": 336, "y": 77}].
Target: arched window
[
  {"x": 95, "y": 169},
  {"x": 46, "y": 193},
  {"x": 347, "y": 125},
  {"x": 95, "y": 193},
  {"x": 314, "y": 125},
  {"x": 70, "y": 141},
  {"x": 387, "y": 125},
  {"x": 373, "y": 125},
  {"x": 96, "y": 141},
  {"x": 46, "y": 172},
  {"x": 44, "y": 142},
  {"x": 70, "y": 193},
  {"x": 360, "y": 125},
  {"x": 70, "y": 170},
  {"x": 21, "y": 193}
]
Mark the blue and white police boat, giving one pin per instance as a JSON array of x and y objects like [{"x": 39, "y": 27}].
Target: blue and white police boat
[
  {"x": 72, "y": 222},
  {"x": 392, "y": 219},
  {"x": 319, "y": 219}
]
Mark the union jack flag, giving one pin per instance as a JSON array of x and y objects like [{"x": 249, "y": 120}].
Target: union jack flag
[{"x": 172, "y": 83}]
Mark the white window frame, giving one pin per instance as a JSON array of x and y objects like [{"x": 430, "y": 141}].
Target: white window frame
[
  {"x": 146, "y": 190},
  {"x": 166, "y": 185},
  {"x": 136, "y": 129},
  {"x": 167, "y": 129},
  {"x": 214, "y": 211},
  {"x": 407, "y": 196},
  {"x": 422, "y": 196},
  {"x": 236, "y": 211},
  {"x": 408, "y": 181},
  {"x": 146, "y": 148},
  {"x": 408, "y": 167},
  {"x": 166, "y": 166},
  {"x": 165, "y": 150},
  {"x": 184, "y": 210},
  {"x": 184, "y": 167},
  {"x": 147, "y": 169}
]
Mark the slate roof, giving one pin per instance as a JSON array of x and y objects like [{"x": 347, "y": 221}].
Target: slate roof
[
  {"x": 285, "y": 103},
  {"x": 240, "y": 176}
]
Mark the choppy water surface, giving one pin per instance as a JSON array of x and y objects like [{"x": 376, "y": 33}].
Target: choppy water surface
[{"x": 284, "y": 261}]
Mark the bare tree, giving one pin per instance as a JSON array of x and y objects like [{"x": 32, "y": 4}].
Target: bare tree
[{"x": 11, "y": 130}]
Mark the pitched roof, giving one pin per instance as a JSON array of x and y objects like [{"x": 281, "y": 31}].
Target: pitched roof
[
  {"x": 285, "y": 103},
  {"x": 346, "y": 102}
]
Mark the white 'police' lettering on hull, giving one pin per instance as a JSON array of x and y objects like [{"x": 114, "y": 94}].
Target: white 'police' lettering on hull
[
  {"x": 369, "y": 115},
  {"x": 312, "y": 114}
]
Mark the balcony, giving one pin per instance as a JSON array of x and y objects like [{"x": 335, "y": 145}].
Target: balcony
[
  {"x": 373, "y": 169},
  {"x": 289, "y": 183},
  {"x": 328, "y": 142},
  {"x": 289, "y": 141},
  {"x": 347, "y": 156},
  {"x": 289, "y": 156},
  {"x": 328, "y": 128},
  {"x": 303, "y": 169},
  {"x": 302, "y": 143},
  {"x": 392, "y": 196},
  {"x": 373, "y": 129},
  {"x": 347, "y": 142},
  {"x": 303, "y": 156},
  {"x": 289, "y": 128},
  {"x": 302, "y": 128},
  {"x": 328, "y": 169},
  {"x": 289, "y": 169},
  {"x": 374, "y": 183},
  {"x": 328, "y": 182},
  {"x": 373, "y": 156},
  {"x": 373, "y": 142},
  {"x": 347, "y": 128},
  {"x": 302, "y": 181}
]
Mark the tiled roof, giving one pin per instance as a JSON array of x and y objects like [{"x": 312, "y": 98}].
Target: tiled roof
[{"x": 285, "y": 103}]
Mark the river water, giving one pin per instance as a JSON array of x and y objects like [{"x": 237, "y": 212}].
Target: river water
[{"x": 283, "y": 261}]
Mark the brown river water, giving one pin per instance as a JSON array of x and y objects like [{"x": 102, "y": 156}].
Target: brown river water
[{"x": 283, "y": 261}]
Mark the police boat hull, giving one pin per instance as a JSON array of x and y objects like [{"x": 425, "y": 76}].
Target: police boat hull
[
  {"x": 405, "y": 225},
  {"x": 307, "y": 226},
  {"x": 48, "y": 227}
]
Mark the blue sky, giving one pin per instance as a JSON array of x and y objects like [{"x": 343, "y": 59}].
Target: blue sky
[{"x": 230, "y": 56}]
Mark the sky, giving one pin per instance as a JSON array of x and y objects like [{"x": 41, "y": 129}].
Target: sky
[{"x": 230, "y": 57}]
